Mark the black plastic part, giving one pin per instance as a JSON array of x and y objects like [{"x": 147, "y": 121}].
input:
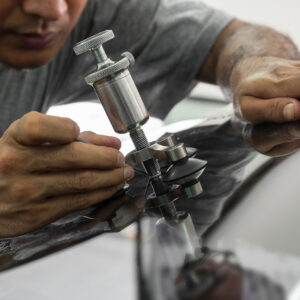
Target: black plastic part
[{"x": 183, "y": 169}]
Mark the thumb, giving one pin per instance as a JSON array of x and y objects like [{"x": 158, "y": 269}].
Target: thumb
[{"x": 276, "y": 110}]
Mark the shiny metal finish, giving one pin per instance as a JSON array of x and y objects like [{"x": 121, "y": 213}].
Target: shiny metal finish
[
  {"x": 93, "y": 42},
  {"x": 114, "y": 85},
  {"x": 177, "y": 152},
  {"x": 120, "y": 98},
  {"x": 122, "y": 102},
  {"x": 154, "y": 151},
  {"x": 159, "y": 151},
  {"x": 168, "y": 140},
  {"x": 130, "y": 57},
  {"x": 126, "y": 111},
  {"x": 107, "y": 70},
  {"x": 193, "y": 190}
]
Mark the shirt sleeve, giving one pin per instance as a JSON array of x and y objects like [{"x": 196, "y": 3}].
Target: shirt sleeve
[{"x": 179, "y": 39}]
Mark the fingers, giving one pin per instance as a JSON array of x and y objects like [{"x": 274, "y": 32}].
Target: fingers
[
  {"x": 101, "y": 140},
  {"x": 43, "y": 213},
  {"x": 82, "y": 181},
  {"x": 60, "y": 206},
  {"x": 36, "y": 187},
  {"x": 276, "y": 110},
  {"x": 284, "y": 149},
  {"x": 266, "y": 89},
  {"x": 264, "y": 137},
  {"x": 75, "y": 155},
  {"x": 30, "y": 207},
  {"x": 273, "y": 139},
  {"x": 36, "y": 129},
  {"x": 269, "y": 77}
]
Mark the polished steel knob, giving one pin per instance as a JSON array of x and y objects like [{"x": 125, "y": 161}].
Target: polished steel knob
[{"x": 95, "y": 45}]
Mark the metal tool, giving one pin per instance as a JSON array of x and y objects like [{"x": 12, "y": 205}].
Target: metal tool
[
  {"x": 114, "y": 86},
  {"x": 126, "y": 111},
  {"x": 172, "y": 168}
]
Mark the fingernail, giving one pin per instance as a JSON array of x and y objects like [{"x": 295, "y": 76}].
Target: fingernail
[
  {"x": 77, "y": 129},
  {"x": 289, "y": 112},
  {"x": 121, "y": 160},
  {"x": 128, "y": 173}
]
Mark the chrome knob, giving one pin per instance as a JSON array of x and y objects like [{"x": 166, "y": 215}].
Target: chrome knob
[{"x": 95, "y": 45}]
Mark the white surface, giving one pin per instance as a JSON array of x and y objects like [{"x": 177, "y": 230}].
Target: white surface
[
  {"x": 263, "y": 229},
  {"x": 208, "y": 92},
  {"x": 90, "y": 116},
  {"x": 102, "y": 268},
  {"x": 279, "y": 14}
]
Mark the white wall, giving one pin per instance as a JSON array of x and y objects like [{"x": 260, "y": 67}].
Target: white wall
[{"x": 281, "y": 15}]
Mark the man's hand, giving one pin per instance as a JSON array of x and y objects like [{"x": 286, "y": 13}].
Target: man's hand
[
  {"x": 273, "y": 139},
  {"x": 266, "y": 89},
  {"x": 44, "y": 174},
  {"x": 258, "y": 69}
]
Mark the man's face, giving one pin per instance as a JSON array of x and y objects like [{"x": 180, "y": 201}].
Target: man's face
[{"x": 33, "y": 31}]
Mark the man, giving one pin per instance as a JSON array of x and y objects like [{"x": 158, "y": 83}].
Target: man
[{"x": 44, "y": 174}]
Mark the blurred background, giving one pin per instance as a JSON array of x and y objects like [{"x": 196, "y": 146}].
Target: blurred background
[{"x": 89, "y": 264}]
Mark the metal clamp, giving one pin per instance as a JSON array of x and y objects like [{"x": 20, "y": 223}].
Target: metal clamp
[{"x": 158, "y": 151}]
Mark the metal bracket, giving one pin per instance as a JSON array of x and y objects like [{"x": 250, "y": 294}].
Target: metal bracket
[{"x": 158, "y": 151}]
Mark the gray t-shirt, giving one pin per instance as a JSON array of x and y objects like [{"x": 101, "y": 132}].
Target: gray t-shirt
[{"x": 169, "y": 38}]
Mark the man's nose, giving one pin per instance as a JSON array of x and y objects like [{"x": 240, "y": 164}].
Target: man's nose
[{"x": 50, "y": 10}]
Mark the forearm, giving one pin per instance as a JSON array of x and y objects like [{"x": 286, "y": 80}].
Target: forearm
[{"x": 241, "y": 40}]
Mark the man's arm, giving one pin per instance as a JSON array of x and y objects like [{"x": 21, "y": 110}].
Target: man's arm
[{"x": 258, "y": 69}]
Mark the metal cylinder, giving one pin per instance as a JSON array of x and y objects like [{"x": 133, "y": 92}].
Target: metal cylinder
[
  {"x": 121, "y": 101},
  {"x": 177, "y": 152}
]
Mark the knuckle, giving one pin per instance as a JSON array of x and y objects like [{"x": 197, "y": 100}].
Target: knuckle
[
  {"x": 79, "y": 201},
  {"x": 273, "y": 110},
  {"x": 71, "y": 154},
  {"x": 113, "y": 177},
  {"x": 32, "y": 124},
  {"x": 71, "y": 127},
  {"x": 119, "y": 175},
  {"x": 84, "y": 179},
  {"x": 31, "y": 118},
  {"x": 281, "y": 72},
  {"x": 21, "y": 191},
  {"x": 10, "y": 161}
]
